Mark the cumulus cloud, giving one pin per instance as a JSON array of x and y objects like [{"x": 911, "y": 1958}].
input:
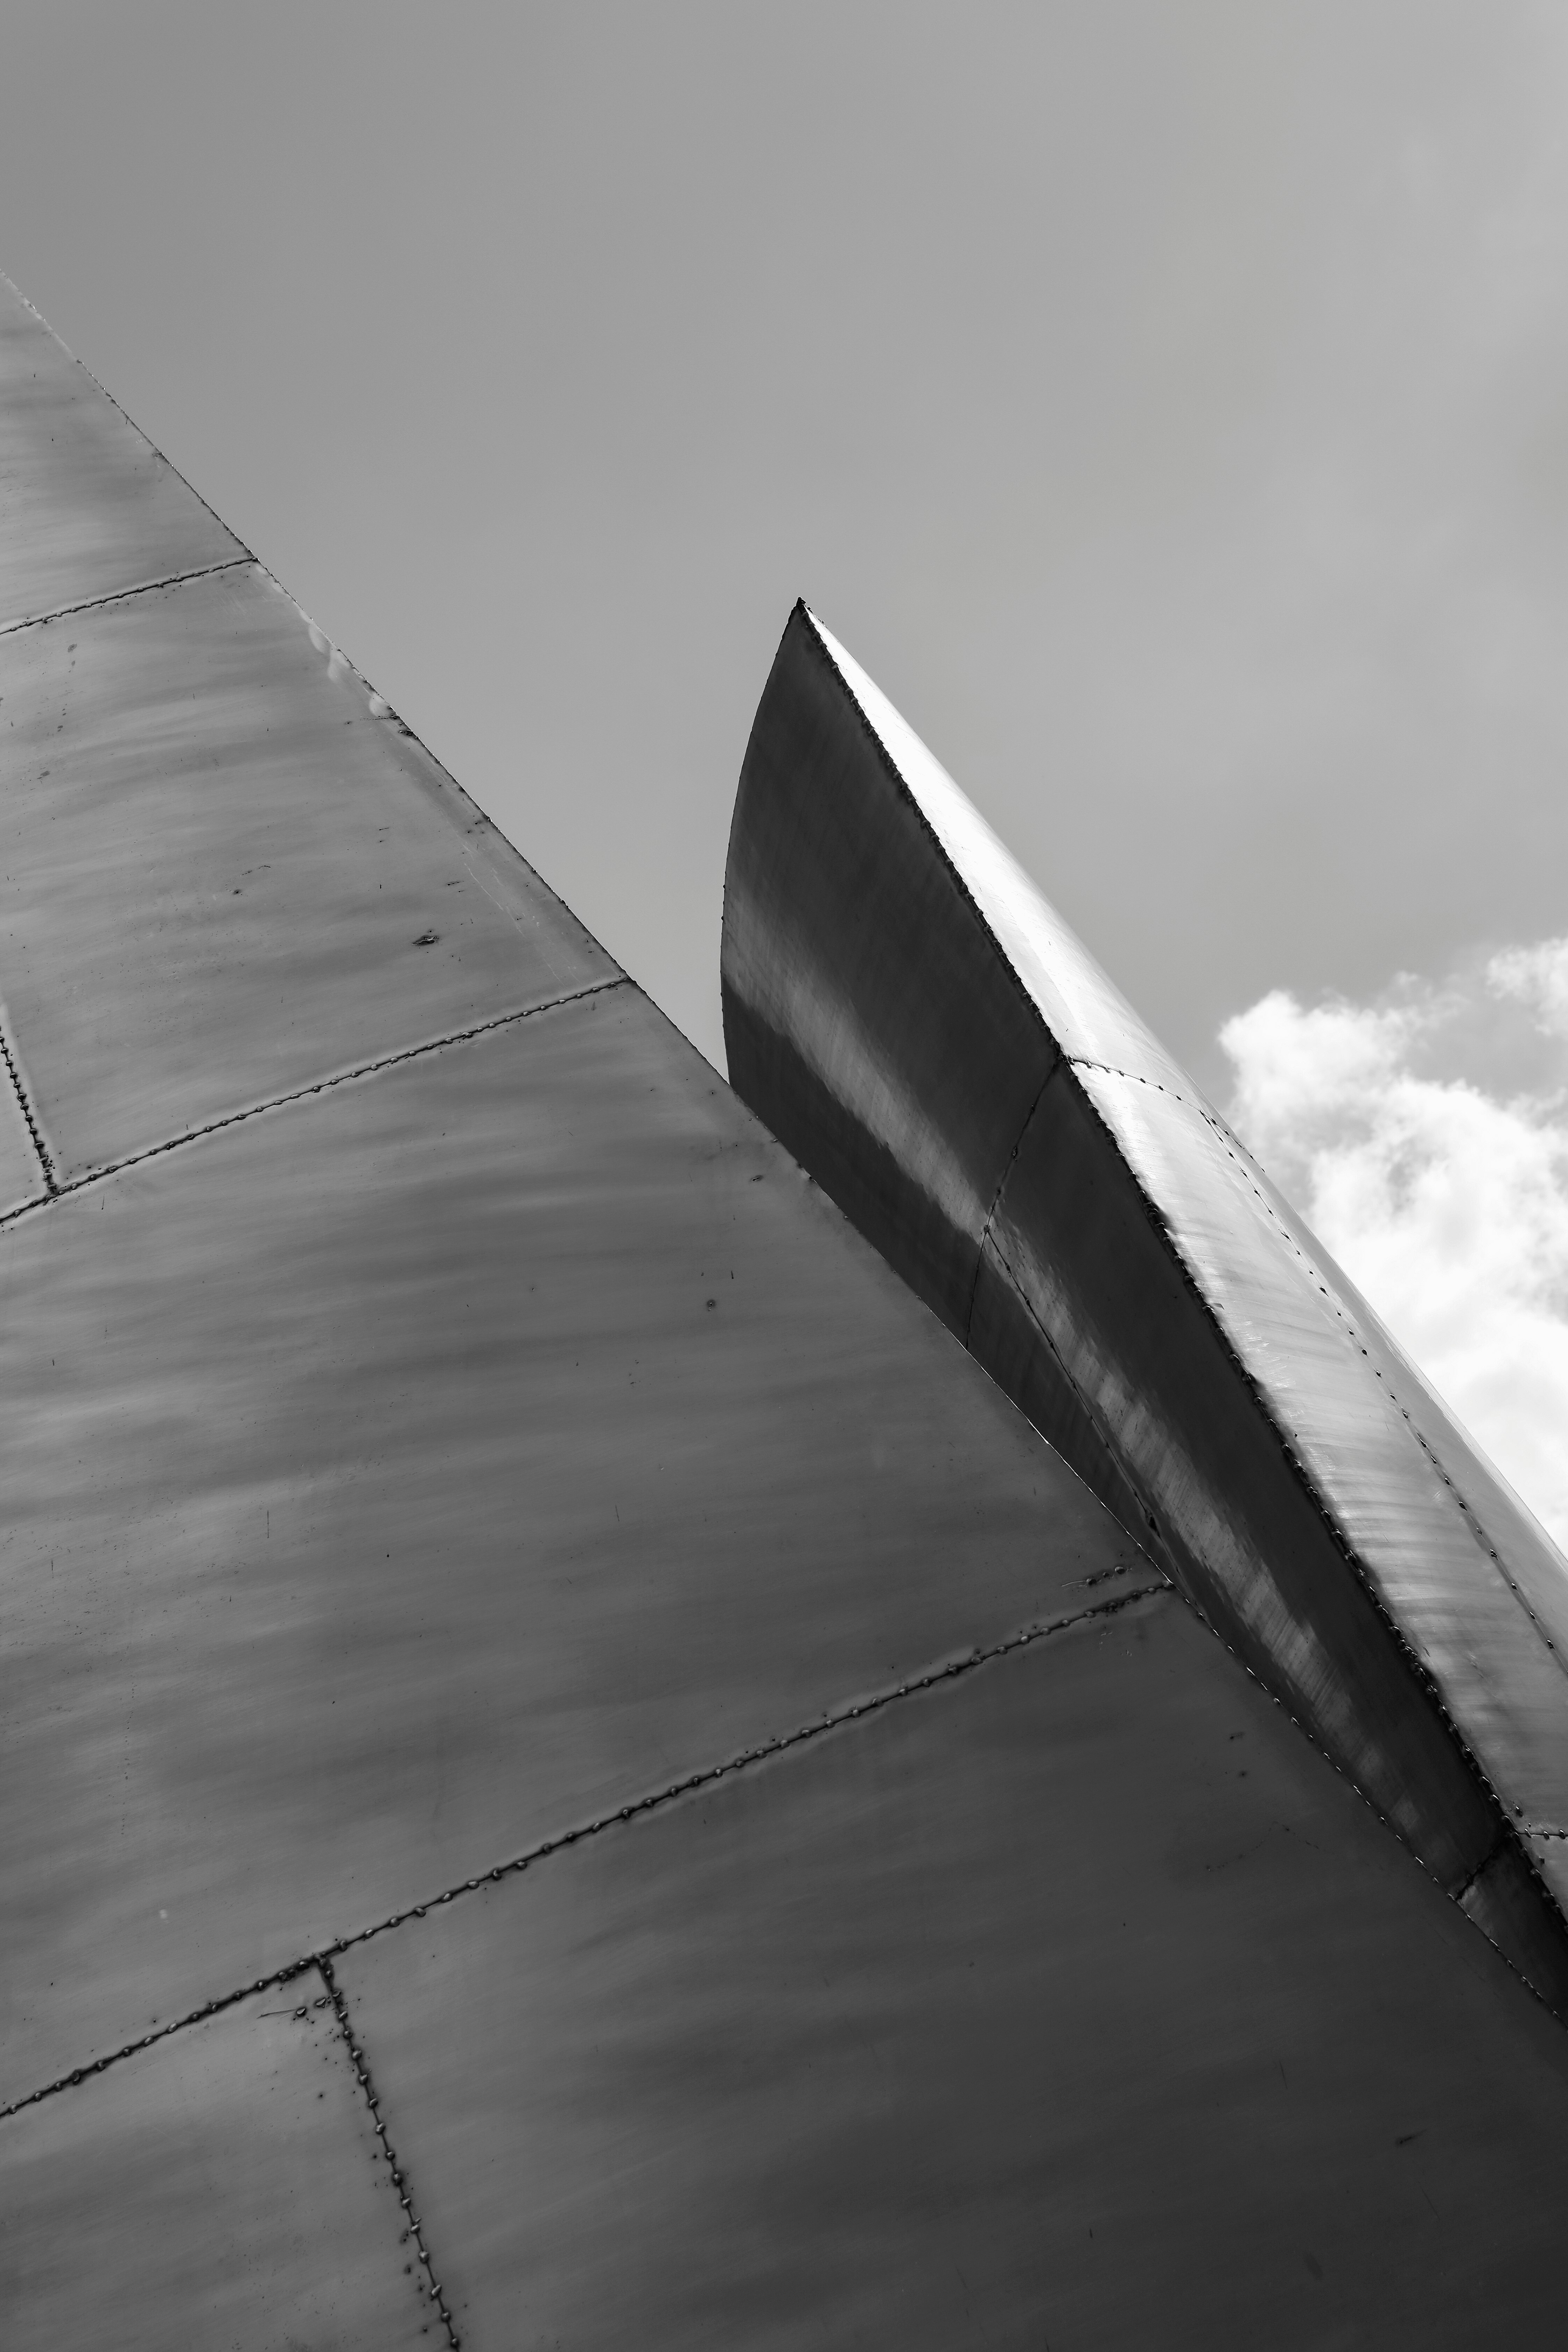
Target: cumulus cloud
[{"x": 1424, "y": 1139}]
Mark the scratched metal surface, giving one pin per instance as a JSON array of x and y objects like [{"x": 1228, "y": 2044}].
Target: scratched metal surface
[
  {"x": 222, "y": 2191},
  {"x": 1126, "y": 1276},
  {"x": 219, "y": 856},
  {"x": 1075, "y": 2002},
  {"x": 88, "y": 507},
  {"x": 401, "y": 1475}
]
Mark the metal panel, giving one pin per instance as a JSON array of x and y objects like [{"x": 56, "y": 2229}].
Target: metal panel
[
  {"x": 394, "y": 1479},
  {"x": 1344, "y": 1414},
  {"x": 229, "y": 871},
  {"x": 88, "y": 507},
  {"x": 1075, "y": 2002},
  {"x": 221, "y": 2192},
  {"x": 1085, "y": 1014},
  {"x": 1136, "y": 1287},
  {"x": 858, "y": 983}
]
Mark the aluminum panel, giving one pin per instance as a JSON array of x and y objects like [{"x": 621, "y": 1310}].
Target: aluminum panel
[
  {"x": 221, "y": 2192},
  {"x": 1522, "y": 1546},
  {"x": 400, "y": 1476},
  {"x": 1139, "y": 1290},
  {"x": 1075, "y": 2003},
  {"x": 227, "y": 871},
  {"x": 1343, "y": 1412},
  {"x": 88, "y": 507},
  {"x": 1115, "y": 1318},
  {"x": 858, "y": 985},
  {"x": 1084, "y": 1011}
]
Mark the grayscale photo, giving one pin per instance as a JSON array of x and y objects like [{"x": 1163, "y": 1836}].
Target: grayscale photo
[{"x": 783, "y": 1176}]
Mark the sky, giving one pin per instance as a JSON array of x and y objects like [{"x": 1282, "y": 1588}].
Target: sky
[{"x": 1168, "y": 407}]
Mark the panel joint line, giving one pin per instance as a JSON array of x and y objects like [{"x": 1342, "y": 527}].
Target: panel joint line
[
  {"x": 25, "y": 1105},
  {"x": 415, "y": 2228}
]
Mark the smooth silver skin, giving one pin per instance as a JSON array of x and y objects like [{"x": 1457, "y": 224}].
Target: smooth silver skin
[
  {"x": 1110, "y": 1251},
  {"x": 214, "y": 830},
  {"x": 223, "y": 2191},
  {"x": 443, "y": 1427},
  {"x": 1074, "y": 2001},
  {"x": 89, "y": 507}
]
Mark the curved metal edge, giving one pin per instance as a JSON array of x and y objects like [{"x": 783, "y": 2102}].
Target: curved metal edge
[{"x": 877, "y": 1018}]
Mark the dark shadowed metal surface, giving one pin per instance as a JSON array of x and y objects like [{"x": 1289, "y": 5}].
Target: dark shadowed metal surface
[
  {"x": 492, "y": 1561},
  {"x": 1111, "y": 1254},
  {"x": 1074, "y": 2001}
]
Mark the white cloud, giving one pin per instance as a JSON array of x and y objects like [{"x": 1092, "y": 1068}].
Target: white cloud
[{"x": 1442, "y": 1193}]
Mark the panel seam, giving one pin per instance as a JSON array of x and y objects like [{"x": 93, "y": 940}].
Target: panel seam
[
  {"x": 416, "y": 2228},
  {"x": 58, "y": 1191},
  {"x": 707, "y": 1776},
  {"x": 1474, "y": 1526},
  {"x": 1007, "y": 1167},
  {"x": 124, "y": 596},
  {"x": 28, "y": 1110}
]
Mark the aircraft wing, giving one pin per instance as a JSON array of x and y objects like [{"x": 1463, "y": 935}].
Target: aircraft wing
[{"x": 576, "y": 1769}]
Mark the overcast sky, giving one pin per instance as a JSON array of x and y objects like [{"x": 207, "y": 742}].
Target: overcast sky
[{"x": 1167, "y": 405}]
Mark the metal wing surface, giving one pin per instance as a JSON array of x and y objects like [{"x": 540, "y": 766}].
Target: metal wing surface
[{"x": 576, "y": 1769}]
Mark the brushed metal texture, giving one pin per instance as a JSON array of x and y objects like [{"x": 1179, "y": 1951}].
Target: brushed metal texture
[
  {"x": 1074, "y": 2001},
  {"x": 221, "y": 2192},
  {"x": 229, "y": 872},
  {"x": 402, "y": 1476},
  {"x": 1131, "y": 1280},
  {"x": 88, "y": 507}
]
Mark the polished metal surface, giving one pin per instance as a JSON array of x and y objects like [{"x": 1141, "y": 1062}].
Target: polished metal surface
[
  {"x": 492, "y": 1561},
  {"x": 88, "y": 506},
  {"x": 223, "y": 2191},
  {"x": 1074, "y": 2001},
  {"x": 1125, "y": 1272}
]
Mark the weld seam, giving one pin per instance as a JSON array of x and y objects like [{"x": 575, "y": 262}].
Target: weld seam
[
  {"x": 25, "y": 1104},
  {"x": 744, "y": 1759},
  {"x": 302, "y": 1094},
  {"x": 123, "y": 595},
  {"x": 415, "y": 2231}
]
